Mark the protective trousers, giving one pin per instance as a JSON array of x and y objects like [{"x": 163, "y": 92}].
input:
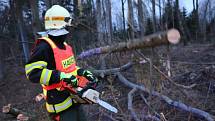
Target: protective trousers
[{"x": 75, "y": 113}]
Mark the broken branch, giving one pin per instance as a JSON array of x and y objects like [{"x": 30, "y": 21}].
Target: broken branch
[
  {"x": 9, "y": 110},
  {"x": 20, "y": 115},
  {"x": 130, "y": 106},
  {"x": 101, "y": 73},
  {"x": 197, "y": 112},
  {"x": 163, "y": 74}
]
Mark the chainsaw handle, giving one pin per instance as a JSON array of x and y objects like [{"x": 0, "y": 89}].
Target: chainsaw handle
[{"x": 83, "y": 85}]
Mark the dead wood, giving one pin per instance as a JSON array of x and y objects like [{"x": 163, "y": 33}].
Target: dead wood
[
  {"x": 19, "y": 114},
  {"x": 131, "y": 109},
  {"x": 197, "y": 112},
  {"x": 9, "y": 110},
  {"x": 170, "y": 36},
  {"x": 164, "y": 75},
  {"x": 102, "y": 73},
  {"x": 130, "y": 106}
]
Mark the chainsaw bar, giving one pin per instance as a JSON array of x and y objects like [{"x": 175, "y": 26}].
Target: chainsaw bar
[
  {"x": 106, "y": 105},
  {"x": 93, "y": 96}
]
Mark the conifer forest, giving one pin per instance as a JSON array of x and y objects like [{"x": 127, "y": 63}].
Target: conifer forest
[{"x": 154, "y": 59}]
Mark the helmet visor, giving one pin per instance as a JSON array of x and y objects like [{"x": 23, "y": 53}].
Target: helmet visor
[{"x": 57, "y": 32}]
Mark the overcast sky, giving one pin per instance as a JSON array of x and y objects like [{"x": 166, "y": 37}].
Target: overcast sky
[{"x": 187, "y": 4}]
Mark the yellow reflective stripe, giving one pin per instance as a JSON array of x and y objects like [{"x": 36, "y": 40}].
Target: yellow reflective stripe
[
  {"x": 59, "y": 107},
  {"x": 49, "y": 41},
  {"x": 77, "y": 67},
  {"x": 45, "y": 76},
  {"x": 31, "y": 66},
  {"x": 75, "y": 72},
  {"x": 44, "y": 91}
]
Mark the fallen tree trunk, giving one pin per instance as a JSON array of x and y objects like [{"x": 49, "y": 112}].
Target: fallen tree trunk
[
  {"x": 197, "y": 112},
  {"x": 156, "y": 39}
]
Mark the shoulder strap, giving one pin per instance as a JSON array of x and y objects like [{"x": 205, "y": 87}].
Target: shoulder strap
[{"x": 51, "y": 43}]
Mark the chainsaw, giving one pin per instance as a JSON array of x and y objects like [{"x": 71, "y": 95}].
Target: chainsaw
[{"x": 89, "y": 94}]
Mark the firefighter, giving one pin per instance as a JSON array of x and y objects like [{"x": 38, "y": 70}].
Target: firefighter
[{"x": 52, "y": 62}]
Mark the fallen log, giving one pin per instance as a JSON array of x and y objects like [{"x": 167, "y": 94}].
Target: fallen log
[
  {"x": 170, "y": 36},
  {"x": 197, "y": 112}
]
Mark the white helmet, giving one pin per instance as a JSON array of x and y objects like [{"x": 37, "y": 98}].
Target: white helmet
[{"x": 55, "y": 20}]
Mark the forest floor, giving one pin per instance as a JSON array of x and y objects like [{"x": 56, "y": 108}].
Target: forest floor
[{"x": 193, "y": 64}]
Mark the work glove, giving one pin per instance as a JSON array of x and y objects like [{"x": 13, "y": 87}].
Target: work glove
[
  {"x": 89, "y": 76},
  {"x": 69, "y": 79}
]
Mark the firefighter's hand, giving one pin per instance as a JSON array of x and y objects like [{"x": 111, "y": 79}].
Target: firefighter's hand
[
  {"x": 84, "y": 89},
  {"x": 69, "y": 79},
  {"x": 88, "y": 75}
]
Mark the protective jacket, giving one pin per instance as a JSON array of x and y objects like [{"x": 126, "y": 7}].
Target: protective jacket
[{"x": 48, "y": 59}]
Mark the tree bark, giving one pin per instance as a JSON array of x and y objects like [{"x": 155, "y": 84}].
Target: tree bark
[
  {"x": 123, "y": 15},
  {"x": 99, "y": 21},
  {"x": 181, "y": 26},
  {"x": 20, "y": 27},
  {"x": 109, "y": 21},
  {"x": 197, "y": 6},
  {"x": 160, "y": 15},
  {"x": 194, "y": 7},
  {"x": 140, "y": 18},
  {"x": 154, "y": 16},
  {"x": 36, "y": 23},
  {"x": 48, "y": 3},
  {"x": 156, "y": 39},
  {"x": 130, "y": 19},
  {"x": 75, "y": 9},
  {"x": 1, "y": 61},
  {"x": 205, "y": 21}
]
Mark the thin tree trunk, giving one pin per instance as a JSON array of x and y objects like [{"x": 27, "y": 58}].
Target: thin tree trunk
[
  {"x": 130, "y": 19},
  {"x": 154, "y": 16},
  {"x": 20, "y": 27},
  {"x": 140, "y": 18},
  {"x": 48, "y": 3},
  {"x": 76, "y": 10},
  {"x": 1, "y": 61},
  {"x": 160, "y": 15},
  {"x": 194, "y": 7},
  {"x": 80, "y": 8},
  {"x": 205, "y": 21},
  {"x": 123, "y": 15},
  {"x": 181, "y": 27},
  {"x": 99, "y": 21},
  {"x": 108, "y": 21},
  {"x": 3, "y": 22},
  {"x": 36, "y": 23}
]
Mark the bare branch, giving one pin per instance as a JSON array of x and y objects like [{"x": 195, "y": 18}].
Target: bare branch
[
  {"x": 130, "y": 105},
  {"x": 197, "y": 112},
  {"x": 163, "y": 74},
  {"x": 101, "y": 73}
]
